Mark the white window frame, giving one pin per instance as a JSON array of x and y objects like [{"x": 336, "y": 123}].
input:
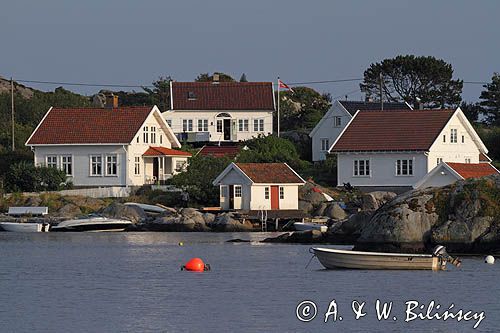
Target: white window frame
[
  {"x": 337, "y": 121},
  {"x": 359, "y": 165},
  {"x": 223, "y": 191},
  {"x": 65, "y": 164},
  {"x": 468, "y": 160},
  {"x": 91, "y": 165},
  {"x": 202, "y": 125},
  {"x": 137, "y": 165},
  {"x": 243, "y": 125},
  {"x": 439, "y": 160},
  {"x": 324, "y": 147},
  {"x": 108, "y": 163},
  {"x": 180, "y": 165},
  {"x": 463, "y": 138},
  {"x": 220, "y": 126},
  {"x": 258, "y": 125},
  {"x": 399, "y": 167},
  {"x": 52, "y": 164},
  {"x": 187, "y": 125},
  {"x": 266, "y": 193},
  {"x": 237, "y": 191},
  {"x": 282, "y": 192},
  {"x": 145, "y": 134},
  {"x": 153, "y": 134},
  {"x": 453, "y": 135}
]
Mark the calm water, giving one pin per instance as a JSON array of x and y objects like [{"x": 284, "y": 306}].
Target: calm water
[{"x": 131, "y": 282}]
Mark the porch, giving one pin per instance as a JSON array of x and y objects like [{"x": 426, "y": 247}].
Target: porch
[{"x": 161, "y": 163}]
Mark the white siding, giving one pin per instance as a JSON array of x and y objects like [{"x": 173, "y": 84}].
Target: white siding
[
  {"x": 439, "y": 179},
  {"x": 453, "y": 152},
  {"x": 176, "y": 117},
  {"x": 382, "y": 169}
]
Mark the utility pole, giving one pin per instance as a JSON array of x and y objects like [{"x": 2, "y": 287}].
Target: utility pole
[
  {"x": 381, "y": 96},
  {"x": 12, "y": 109},
  {"x": 278, "y": 107}
]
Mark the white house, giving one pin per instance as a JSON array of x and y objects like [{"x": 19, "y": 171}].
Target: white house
[
  {"x": 220, "y": 111},
  {"x": 336, "y": 119},
  {"x": 397, "y": 148},
  {"x": 116, "y": 146},
  {"x": 257, "y": 186},
  {"x": 447, "y": 173}
]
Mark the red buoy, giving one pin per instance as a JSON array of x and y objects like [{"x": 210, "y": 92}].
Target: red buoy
[{"x": 196, "y": 265}]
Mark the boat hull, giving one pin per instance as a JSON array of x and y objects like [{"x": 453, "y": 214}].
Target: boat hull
[
  {"x": 335, "y": 259},
  {"x": 24, "y": 227},
  {"x": 93, "y": 227},
  {"x": 300, "y": 226}
]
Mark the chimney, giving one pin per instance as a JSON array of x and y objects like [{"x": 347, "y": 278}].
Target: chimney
[
  {"x": 215, "y": 78},
  {"x": 111, "y": 101}
]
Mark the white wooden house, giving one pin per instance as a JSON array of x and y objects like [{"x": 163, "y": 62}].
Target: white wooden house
[
  {"x": 336, "y": 119},
  {"x": 259, "y": 186},
  {"x": 447, "y": 173},
  {"x": 220, "y": 111},
  {"x": 116, "y": 146},
  {"x": 397, "y": 148}
]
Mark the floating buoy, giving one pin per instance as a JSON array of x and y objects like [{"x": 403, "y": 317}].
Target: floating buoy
[
  {"x": 181, "y": 244},
  {"x": 196, "y": 265},
  {"x": 489, "y": 260}
]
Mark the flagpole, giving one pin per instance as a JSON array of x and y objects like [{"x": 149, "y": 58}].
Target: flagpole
[{"x": 278, "y": 106}]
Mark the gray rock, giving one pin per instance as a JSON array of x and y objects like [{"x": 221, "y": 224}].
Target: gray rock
[
  {"x": 320, "y": 210},
  {"x": 33, "y": 201},
  {"x": 130, "y": 212},
  {"x": 348, "y": 231},
  {"x": 374, "y": 200},
  {"x": 306, "y": 206},
  {"x": 314, "y": 198},
  {"x": 302, "y": 237},
  {"x": 209, "y": 218},
  {"x": 176, "y": 223},
  {"x": 334, "y": 211},
  {"x": 226, "y": 222},
  {"x": 68, "y": 211}
]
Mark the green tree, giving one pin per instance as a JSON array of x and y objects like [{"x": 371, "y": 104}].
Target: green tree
[
  {"x": 205, "y": 77},
  {"x": 491, "y": 99},
  {"x": 269, "y": 149},
  {"x": 471, "y": 110},
  {"x": 198, "y": 177},
  {"x": 160, "y": 94},
  {"x": 412, "y": 79},
  {"x": 302, "y": 108},
  {"x": 243, "y": 78}
]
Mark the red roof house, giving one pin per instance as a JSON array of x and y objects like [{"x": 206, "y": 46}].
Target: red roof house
[{"x": 449, "y": 172}]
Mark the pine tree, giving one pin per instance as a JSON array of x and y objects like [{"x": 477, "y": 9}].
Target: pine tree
[
  {"x": 243, "y": 78},
  {"x": 491, "y": 99}
]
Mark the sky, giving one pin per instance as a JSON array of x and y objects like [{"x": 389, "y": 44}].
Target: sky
[{"x": 135, "y": 42}]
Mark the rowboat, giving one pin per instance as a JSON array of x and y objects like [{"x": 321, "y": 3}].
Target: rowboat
[
  {"x": 24, "y": 227},
  {"x": 347, "y": 259}
]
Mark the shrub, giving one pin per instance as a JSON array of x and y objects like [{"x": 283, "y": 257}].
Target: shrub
[{"x": 25, "y": 177}]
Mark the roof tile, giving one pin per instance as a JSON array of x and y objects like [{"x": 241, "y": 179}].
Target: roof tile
[
  {"x": 473, "y": 170},
  {"x": 270, "y": 173},
  {"x": 163, "y": 151}
]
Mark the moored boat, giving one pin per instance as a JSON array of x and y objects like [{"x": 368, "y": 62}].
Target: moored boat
[
  {"x": 92, "y": 223},
  {"x": 304, "y": 226},
  {"x": 335, "y": 258},
  {"x": 24, "y": 227}
]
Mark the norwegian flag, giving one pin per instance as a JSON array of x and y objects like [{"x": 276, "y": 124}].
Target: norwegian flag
[{"x": 283, "y": 85}]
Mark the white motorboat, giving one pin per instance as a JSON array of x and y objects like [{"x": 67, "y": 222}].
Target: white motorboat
[
  {"x": 92, "y": 223},
  {"x": 304, "y": 226},
  {"x": 146, "y": 207},
  {"x": 24, "y": 227},
  {"x": 334, "y": 259}
]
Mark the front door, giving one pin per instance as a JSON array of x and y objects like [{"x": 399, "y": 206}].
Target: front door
[
  {"x": 275, "y": 199},
  {"x": 156, "y": 172},
  {"x": 231, "y": 196},
  {"x": 227, "y": 129}
]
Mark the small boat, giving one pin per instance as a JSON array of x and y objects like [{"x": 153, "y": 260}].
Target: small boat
[
  {"x": 24, "y": 227},
  {"x": 92, "y": 223},
  {"x": 147, "y": 208},
  {"x": 334, "y": 259},
  {"x": 304, "y": 226}
]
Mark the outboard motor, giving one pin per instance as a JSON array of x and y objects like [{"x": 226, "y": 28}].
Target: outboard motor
[{"x": 440, "y": 251}]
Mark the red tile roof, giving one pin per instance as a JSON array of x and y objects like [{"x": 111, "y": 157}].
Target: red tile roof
[
  {"x": 90, "y": 125},
  {"x": 222, "y": 96},
  {"x": 393, "y": 130},
  {"x": 473, "y": 170},
  {"x": 270, "y": 173},
  {"x": 484, "y": 158},
  {"x": 220, "y": 151},
  {"x": 163, "y": 151}
]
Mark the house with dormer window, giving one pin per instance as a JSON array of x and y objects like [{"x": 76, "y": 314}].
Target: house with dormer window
[
  {"x": 220, "y": 111},
  {"x": 115, "y": 146},
  {"x": 398, "y": 148}
]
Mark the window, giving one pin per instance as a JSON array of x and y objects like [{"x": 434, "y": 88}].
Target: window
[
  {"x": 137, "y": 165},
  {"x": 325, "y": 144},
  {"x": 237, "y": 191},
  {"x": 51, "y": 161},
  {"x": 153, "y": 134},
  {"x": 67, "y": 164},
  {"x": 361, "y": 168},
  {"x": 463, "y": 138},
  {"x": 258, "y": 125},
  {"x": 161, "y": 139},
  {"x": 96, "y": 165},
  {"x": 453, "y": 135},
  {"x": 187, "y": 125},
  {"x": 137, "y": 139},
  {"x": 111, "y": 165},
  {"x": 404, "y": 168},
  {"x": 223, "y": 191},
  {"x": 243, "y": 125},
  {"x": 169, "y": 122},
  {"x": 179, "y": 165},
  {"x": 219, "y": 126},
  {"x": 337, "y": 121},
  {"x": 266, "y": 192},
  {"x": 439, "y": 160},
  {"x": 444, "y": 137},
  {"x": 202, "y": 125},
  {"x": 145, "y": 135},
  {"x": 191, "y": 95},
  {"x": 282, "y": 192},
  {"x": 467, "y": 160}
]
